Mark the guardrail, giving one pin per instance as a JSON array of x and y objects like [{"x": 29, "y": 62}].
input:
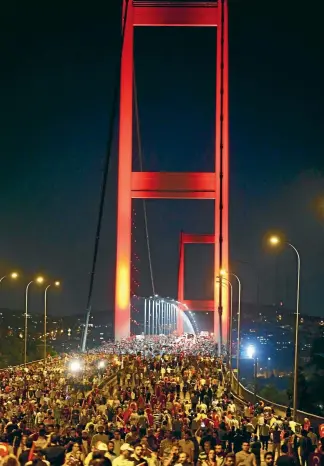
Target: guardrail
[
  {"x": 108, "y": 381},
  {"x": 21, "y": 365},
  {"x": 244, "y": 395}
]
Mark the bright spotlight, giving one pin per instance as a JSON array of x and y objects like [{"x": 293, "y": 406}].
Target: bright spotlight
[
  {"x": 75, "y": 366},
  {"x": 14, "y": 275},
  {"x": 57, "y": 283},
  {"x": 40, "y": 280},
  {"x": 250, "y": 351},
  {"x": 101, "y": 364}
]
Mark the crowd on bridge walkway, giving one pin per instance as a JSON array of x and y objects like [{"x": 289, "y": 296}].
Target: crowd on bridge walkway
[{"x": 157, "y": 401}]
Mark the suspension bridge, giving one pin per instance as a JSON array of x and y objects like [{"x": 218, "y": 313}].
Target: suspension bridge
[{"x": 144, "y": 185}]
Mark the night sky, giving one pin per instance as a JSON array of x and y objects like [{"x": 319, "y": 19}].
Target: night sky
[{"x": 58, "y": 64}]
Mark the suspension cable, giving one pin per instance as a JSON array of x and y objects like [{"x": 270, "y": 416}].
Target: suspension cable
[
  {"x": 114, "y": 110},
  {"x": 140, "y": 157},
  {"x": 221, "y": 172}
]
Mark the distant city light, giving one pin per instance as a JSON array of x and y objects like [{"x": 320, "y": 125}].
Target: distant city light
[{"x": 101, "y": 364}]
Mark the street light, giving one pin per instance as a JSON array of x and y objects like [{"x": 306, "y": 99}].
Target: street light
[
  {"x": 251, "y": 354},
  {"x": 13, "y": 275},
  {"x": 57, "y": 284},
  {"x": 101, "y": 364},
  {"x": 75, "y": 366},
  {"x": 224, "y": 272},
  {"x": 39, "y": 280},
  {"x": 276, "y": 241},
  {"x": 229, "y": 284}
]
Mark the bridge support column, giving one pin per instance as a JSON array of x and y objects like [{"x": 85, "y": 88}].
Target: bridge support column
[
  {"x": 221, "y": 296},
  {"x": 124, "y": 203},
  {"x": 180, "y": 286}
]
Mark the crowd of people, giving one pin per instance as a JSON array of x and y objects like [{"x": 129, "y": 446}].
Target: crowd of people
[
  {"x": 157, "y": 401},
  {"x": 151, "y": 346}
]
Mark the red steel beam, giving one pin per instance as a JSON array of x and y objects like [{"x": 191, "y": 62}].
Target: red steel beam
[
  {"x": 199, "y": 305},
  {"x": 188, "y": 14},
  {"x": 188, "y": 238},
  {"x": 222, "y": 170},
  {"x": 161, "y": 185},
  {"x": 172, "y": 195},
  {"x": 181, "y": 285}
]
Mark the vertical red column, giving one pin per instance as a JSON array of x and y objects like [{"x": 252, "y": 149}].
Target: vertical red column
[
  {"x": 124, "y": 207},
  {"x": 226, "y": 316},
  {"x": 221, "y": 295},
  {"x": 180, "y": 286}
]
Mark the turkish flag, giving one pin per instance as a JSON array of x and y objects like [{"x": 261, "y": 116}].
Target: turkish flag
[
  {"x": 4, "y": 450},
  {"x": 321, "y": 431}
]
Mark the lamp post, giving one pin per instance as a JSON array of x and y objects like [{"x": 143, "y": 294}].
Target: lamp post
[
  {"x": 38, "y": 280},
  {"x": 223, "y": 272},
  {"x": 57, "y": 284},
  {"x": 256, "y": 271},
  {"x": 275, "y": 241},
  {"x": 144, "y": 330},
  {"x": 13, "y": 275},
  {"x": 229, "y": 283},
  {"x": 251, "y": 354}
]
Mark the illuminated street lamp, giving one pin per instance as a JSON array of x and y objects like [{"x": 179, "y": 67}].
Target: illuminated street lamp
[
  {"x": 75, "y": 366},
  {"x": 223, "y": 273},
  {"x": 276, "y": 241},
  {"x": 251, "y": 354},
  {"x": 39, "y": 280},
  {"x": 101, "y": 364},
  {"x": 13, "y": 275},
  {"x": 57, "y": 284}
]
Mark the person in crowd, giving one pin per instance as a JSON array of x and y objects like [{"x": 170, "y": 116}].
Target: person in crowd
[
  {"x": 124, "y": 458},
  {"x": 285, "y": 459},
  {"x": 245, "y": 457},
  {"x": 269, "y": 458}
]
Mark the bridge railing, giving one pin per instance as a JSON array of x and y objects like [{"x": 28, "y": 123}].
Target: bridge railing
[
  {"x": 21, "y": 365},
  {"x": 244, "y": 395}
]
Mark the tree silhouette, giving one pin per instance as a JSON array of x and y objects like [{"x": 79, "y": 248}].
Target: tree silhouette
[
  {"x": 12, "y": 349},
  {"x": 311, "y": 380}
]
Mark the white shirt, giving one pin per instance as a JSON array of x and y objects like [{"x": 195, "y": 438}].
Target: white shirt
[{"x": 122, "y": 461}]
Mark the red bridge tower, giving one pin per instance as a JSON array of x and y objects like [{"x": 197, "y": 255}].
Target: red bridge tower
[{"x": 158, "y": 185}]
